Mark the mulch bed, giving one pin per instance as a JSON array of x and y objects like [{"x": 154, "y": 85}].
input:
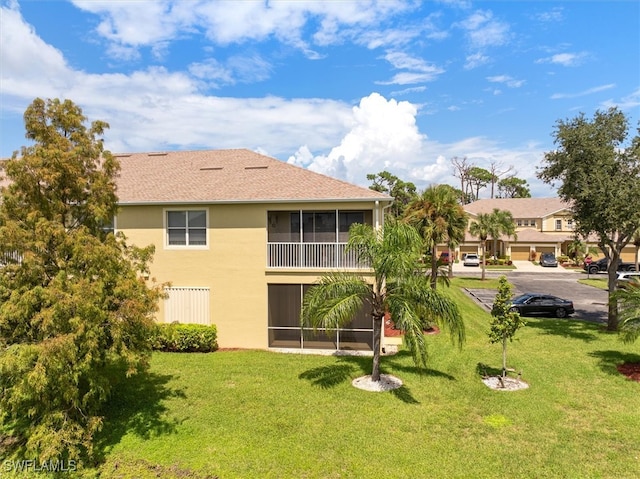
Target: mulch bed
[
  {"x": 630, "y": 370},
  {"x": 390, "y": 328}
]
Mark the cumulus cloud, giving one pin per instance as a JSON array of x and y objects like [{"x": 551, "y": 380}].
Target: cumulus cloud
[{"x": 383, "y": 134}]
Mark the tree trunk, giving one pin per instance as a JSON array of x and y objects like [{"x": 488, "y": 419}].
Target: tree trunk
[
  {"x": 504, "y": 357},
  {"x": 612, "y": 317},
  {"x": 377, "y": 334},
  {"x": 434, "y": 266},
  {"x": 482, "y": 260}
]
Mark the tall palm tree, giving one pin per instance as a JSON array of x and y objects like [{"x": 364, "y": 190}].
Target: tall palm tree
[
  {"x": 392, "y": 252},
  {"x": 480, "y": 229},
  {"x": 501, "y": 222},
  {"x": 439, "y": 218}
]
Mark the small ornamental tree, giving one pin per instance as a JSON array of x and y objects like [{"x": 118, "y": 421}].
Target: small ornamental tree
[
  {"x": 505, "y": 321},
  {"x": 75, "y": 312}
]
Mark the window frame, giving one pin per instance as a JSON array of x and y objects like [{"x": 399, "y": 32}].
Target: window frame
[{"x": 165, "y": 216}]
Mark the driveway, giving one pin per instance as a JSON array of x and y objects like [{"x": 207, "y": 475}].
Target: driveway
[{"x": 590, "y": 303}]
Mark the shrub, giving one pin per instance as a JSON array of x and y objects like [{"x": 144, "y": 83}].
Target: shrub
[
  {"x": 563, "y": 259},
  {"x": 185, "y": 338}
]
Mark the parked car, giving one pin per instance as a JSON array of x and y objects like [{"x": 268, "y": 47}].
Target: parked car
[
  {"x": 548, "y": 260},
  {"x": 471, "y": 259},
  {"x": 601, "y": 266},
  {"x": 444, "y": 257},
  {"x": 628, "y": 278},
  {"x": 531, "y": 304}
]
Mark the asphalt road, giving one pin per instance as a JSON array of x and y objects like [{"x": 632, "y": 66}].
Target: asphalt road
[{"x": 590, "y": 303}]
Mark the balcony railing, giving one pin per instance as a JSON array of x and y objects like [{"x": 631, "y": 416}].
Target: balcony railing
[{"x": 311, "y": 255}]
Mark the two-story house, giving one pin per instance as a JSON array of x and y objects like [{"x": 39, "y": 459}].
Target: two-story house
[
  {"x": 543, "y": 225},
  {"x": 241, "y": 236}
]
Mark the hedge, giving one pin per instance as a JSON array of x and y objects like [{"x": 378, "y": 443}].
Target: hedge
[{"x": 185, "y": 338}]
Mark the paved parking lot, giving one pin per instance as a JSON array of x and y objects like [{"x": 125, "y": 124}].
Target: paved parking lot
[{"x": 590, "y": 303}]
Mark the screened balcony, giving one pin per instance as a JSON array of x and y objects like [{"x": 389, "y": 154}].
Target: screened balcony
[{"x": 312, "y": 239}]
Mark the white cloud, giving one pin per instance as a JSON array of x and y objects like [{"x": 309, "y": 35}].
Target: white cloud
[
  {"x": 383, "y": 135},
  {"x": 590, "y": 91},
  {"x": 44, "y": 74},
  {"x": 506, "y": 80},
  {"x": 475, "y": 60},
  {"x": 140, "y": 23},
  {"x": 130, "y": 25},
  {"x": 565, "y": 59},
  {"x": 155, "y": 109},
  {"x": 484, "y": 31},
  {"x": 554, "y": 15},
  {"x": 625, "y": 103}
]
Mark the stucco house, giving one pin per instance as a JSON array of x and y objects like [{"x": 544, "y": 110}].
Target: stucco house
[
  {"x": 240, "y": 237},
  {"x": 543, "y": 225}
]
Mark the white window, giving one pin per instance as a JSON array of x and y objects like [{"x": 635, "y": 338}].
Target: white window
[
  {"x": 519, "y": 222},
  {"x": 187, "y": 305},
  {"x": 570, "y": 224},
  {"x": 187, "y": 228},
  {"x": 558, "y": 225}
]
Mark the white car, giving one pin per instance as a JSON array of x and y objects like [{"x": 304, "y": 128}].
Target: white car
[
  {"x": 471, "y": 260},
  {"x": 627, "y": 277}
]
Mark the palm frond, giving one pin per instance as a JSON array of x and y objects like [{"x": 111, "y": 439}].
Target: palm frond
[
  {"x": 334, "y": 301},
  {"x": 433, "y": 307},
  {"x": 629, "y": 312},
  {"x": 407, "y": 318}
]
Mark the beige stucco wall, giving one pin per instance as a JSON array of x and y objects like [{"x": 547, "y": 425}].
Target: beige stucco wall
[{"x": 232, "y": 265}]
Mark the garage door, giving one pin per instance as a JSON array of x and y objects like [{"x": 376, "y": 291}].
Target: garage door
[
  {"x": 468, "y": 249},
  {"x": 545, "y": 249},
  {"x": 519, "y": 253}
]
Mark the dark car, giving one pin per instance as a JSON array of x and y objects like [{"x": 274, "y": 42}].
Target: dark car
[
  {"x": 531, "y": 304},
  {"x": 548, "y": 260}
]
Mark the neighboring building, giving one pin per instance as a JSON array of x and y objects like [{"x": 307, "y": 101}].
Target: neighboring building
[
  {"x": 543, "y": 225},
  {"x": 240, "y": 237}
]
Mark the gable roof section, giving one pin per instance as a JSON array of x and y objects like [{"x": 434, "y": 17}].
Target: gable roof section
[
  {"x": 520, "y": 207},
  {"x": 226, "y": 176}
]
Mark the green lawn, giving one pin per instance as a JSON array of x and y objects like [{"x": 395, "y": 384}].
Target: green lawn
[{"x": 256, "y": 414}]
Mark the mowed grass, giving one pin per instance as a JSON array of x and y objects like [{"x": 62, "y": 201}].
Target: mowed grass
[{"x": 258, "y": 414}]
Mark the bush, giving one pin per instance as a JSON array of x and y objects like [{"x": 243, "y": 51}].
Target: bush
[
  {"x": 185, "y": 338},
  {"x": 563, "y": 259}
]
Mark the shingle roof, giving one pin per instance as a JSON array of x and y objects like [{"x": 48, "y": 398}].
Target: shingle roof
[
  {"x": 519, "y": 207},
  {"x": 226, "y": 176}
]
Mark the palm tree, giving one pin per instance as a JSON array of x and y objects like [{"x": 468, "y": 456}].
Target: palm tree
[
  {"x": 439, "y": 218},
  {"x": 392, "y": 252},
  {"x": 628, "y": 300},
  {"x": 480, "y": 229},
  {"x": 579, "y": 249},
  {"x": 501, "y": 222}
]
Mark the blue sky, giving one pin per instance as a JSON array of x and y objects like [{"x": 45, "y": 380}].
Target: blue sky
[{"x": 341, "y": 87}]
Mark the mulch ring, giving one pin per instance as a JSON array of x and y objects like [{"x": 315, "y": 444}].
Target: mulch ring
[{"x": 630, "y": 370}]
